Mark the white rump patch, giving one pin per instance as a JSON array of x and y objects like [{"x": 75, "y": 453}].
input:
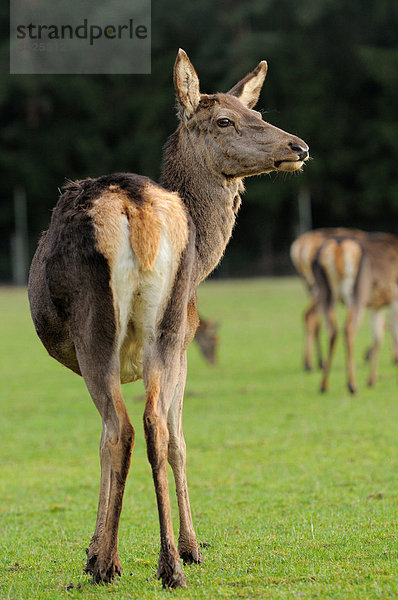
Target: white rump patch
[{"x": 140, "y": 298}]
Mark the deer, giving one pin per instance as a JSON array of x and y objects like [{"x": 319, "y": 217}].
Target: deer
[
  {"x": 302, "y": 253},
  {"x": 361, "y": 273},
  {"x": 112, "y": 290},
  {"x": 207, "y": 339}
]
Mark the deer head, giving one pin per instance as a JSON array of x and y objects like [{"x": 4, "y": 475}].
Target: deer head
[{"x": 238, "y": 142}]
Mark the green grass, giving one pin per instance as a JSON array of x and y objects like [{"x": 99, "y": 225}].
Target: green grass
[{"x": 295, "y": 492}]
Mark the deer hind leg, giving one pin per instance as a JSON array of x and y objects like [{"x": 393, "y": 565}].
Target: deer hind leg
[
  {"x": 330, "y": 316},
  {"x": 103, "y": 382},
  {"x": 312, "y": 329},
  {"x": 378, "y": 325},
  {"x": 188, "y": 546},
  {"x": 354, "y": 317},
  {"x": 318, "y": 344},
  {"x": 349, "y": 337}
]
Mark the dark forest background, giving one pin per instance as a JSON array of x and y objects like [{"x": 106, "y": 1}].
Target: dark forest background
[{"x": 332, "y": 80}]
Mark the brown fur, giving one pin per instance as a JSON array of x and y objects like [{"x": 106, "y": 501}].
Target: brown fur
[
  {"x": 145, "y": 228},
  {"x": 112, "y": 318},
  {"x": 158, "y": 209},
  {"x": 105, "y": 212}
]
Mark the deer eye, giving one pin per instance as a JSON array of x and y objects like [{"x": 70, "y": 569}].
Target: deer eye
[{"x": 224, "y": 122}]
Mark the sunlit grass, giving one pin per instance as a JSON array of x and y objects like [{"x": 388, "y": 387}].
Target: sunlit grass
[{"x": 295, "y": 492}]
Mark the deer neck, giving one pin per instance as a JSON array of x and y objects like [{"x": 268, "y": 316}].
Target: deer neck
[{"x": 212, "y": 200}]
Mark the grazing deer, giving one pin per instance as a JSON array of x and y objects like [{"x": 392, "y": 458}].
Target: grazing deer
[
  {"x": 207, "y": 339},
  {"x": 302, "y": 253},
  {"x": 361, "y": 273},
  {"x": 112, "y": 290}
]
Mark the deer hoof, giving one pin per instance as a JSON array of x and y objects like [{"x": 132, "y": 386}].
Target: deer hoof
[
  {"x": 190, "y": 556},
  {"x": 102, "y": 570},
  {"x": 351, "y": 388},
  {"x": 170, "y": 573}
]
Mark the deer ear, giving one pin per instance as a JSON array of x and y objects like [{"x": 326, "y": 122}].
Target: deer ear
[
  {"x": 248, "y": 89},
  {"x": 186, "y": 84}
]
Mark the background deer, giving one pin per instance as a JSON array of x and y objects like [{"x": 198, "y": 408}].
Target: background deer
[
  {"x": 302, "y": 253},
  {"x": 361, "y": 273},
  {"x": 207, "y": 339},
  {"x": 112, "y": 290}
]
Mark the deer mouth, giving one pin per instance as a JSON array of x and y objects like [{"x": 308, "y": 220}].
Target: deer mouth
[{"x": 288, "y": 165}]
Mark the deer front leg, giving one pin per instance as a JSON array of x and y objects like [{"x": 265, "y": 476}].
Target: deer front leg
[
  {"x": 188, "y": 546},
  {"x": 159, "y": 390}
]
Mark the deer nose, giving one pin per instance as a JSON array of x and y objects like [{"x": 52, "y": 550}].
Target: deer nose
[{"x": 301, "y": 149}]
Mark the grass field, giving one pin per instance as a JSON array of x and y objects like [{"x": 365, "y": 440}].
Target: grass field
[{"x": 295, "y": 493}]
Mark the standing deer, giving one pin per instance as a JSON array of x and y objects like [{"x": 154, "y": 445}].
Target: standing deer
[
  {"x": 302, "y": 253},
  {"x": 361, "y": 273},
  {"x": 112, "y": 290}
]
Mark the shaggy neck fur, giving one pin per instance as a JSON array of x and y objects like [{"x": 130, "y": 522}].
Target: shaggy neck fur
[{"x": 212, "y": 200}]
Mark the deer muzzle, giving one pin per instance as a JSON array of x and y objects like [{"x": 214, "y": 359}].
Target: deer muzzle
[{"x": 297, "y": 154}]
